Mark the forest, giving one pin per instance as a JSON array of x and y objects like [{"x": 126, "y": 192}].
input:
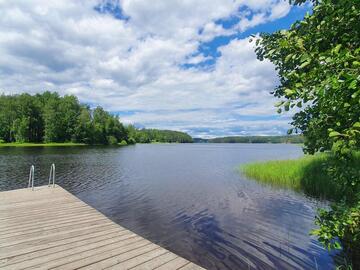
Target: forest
[
  {"x": 49, "y": 117},
  {"x": 156, "y": 135}
]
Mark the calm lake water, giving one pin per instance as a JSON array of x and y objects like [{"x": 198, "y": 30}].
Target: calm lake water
[{"x": 189, "y": 198}]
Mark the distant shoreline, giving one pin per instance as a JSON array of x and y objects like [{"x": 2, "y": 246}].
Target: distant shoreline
[
  {"x": 294, "y": 139},
  {"x": 69, "y": 144},
  {"x": 40, "y": 144}
]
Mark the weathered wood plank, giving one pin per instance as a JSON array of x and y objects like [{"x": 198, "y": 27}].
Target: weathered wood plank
[
  {"x": 173, "y": 264},
  {"x": 46, "y": 232},
  {"x": 68, "y": 221},
  {"x": 52, "y": 240},
  {"x": 84, "y": 258},
  {"x": 13, "y": 251},
  {"x": 75, "y": 207},
  {"x": 106, "y": 260},
  {"x": 51, "y": 228},
  {"x": 155, "y": 262},
  {"x": 58, "y": 256},
  {"x": 34, "y": 220},
  {"x": 189, "y": 266},
  {"x": 95, "y": 237},
  {"x": 143, "y": 258}
]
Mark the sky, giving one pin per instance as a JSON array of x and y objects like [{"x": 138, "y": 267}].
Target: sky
[{"x": 171, "y": 64}]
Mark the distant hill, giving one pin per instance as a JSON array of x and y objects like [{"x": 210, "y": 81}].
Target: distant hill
[
  {"x": 253, "y": 139},
  {"x": 157, "y": 135}
]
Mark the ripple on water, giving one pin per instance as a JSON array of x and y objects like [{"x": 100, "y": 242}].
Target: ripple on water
[{"x": 187, "y": 198}]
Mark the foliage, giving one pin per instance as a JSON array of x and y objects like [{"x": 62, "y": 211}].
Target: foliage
[
  {"x": 123, "y": 142},
  {"x": 112, "y": 140},
  {"x": 131, "y": 140},
  {"x": 48, "y": 117},
  {"x": 27, "y": 144},
  {"x": 156, "y": 135},
  {"x": 340, "y": 222},
  {"x": 319, "y": 73},
  {"x": 318, "y": 62}
]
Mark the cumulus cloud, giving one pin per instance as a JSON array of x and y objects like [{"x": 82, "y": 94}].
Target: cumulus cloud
[{"x": 144, "y": 58}]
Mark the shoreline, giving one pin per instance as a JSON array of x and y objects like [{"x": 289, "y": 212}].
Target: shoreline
[{"x": 40, "y": 144}]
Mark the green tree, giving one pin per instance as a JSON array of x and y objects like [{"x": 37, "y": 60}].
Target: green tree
[
  {"x": 157, "y": 135},
  {"x": 318, "y": 62},
  {"x": 69, "y": 108},
  {"x": 84, "y": 127},
  {"x": 53, "y": 130},
  {"x": 99, "y": 119},
  {"x": 29, "y": 110},
  {"x": 7, "y": 117},
  {"x": 131, "y": 131},
  {"x": 49, "y": 117},
  {"x": 21, "y": 129}
]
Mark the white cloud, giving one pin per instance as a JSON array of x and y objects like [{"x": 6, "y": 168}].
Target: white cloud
[{"x": 135, "y": 65}]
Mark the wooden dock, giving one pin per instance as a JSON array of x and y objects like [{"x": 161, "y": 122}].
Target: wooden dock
[{"x": 49, "y": 228}]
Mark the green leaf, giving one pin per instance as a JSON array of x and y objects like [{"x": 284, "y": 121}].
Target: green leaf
[
  {"x": 289, "y": 92},
  {"x": 305, "y": 64},
  {"x": 300, "y": 43},
  {"x": 334, "y": 134},
  {"x": 288, "y": 57},
  {"x": 337, "y": 49},
  {"x": 353, "y": 84},
  {"x": 278, "y": 104},
  {"x": 356, "y": 125},
  {"x": 271, "y": 52},
  {"x": 355, "y": 94},
  {"x": 287, "y": 106}
]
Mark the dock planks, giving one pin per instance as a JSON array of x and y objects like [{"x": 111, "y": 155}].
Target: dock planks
[{"x": 49, "y": 228}]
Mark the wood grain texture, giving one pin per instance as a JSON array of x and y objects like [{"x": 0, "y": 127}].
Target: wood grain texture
[{"x": 49, "y": 228}]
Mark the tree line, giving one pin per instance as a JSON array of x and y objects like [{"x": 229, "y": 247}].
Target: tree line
[
  {"x": 49, "y": 117},
  {"x": 253, "y": 139},
  {"x": 156, "y": 135}
]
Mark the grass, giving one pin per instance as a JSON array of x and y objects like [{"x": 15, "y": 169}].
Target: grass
[
  {"x": 307, "y": 174},
  {"x": 40, "y": 144}
]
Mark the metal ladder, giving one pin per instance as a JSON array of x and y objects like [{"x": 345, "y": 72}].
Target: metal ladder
[
  {"x": 52, "y": 175},
  {"x": 32, "y": 176}
]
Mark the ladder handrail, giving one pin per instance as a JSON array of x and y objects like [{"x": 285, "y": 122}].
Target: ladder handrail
[
  {"x": 52, "y": 175},
  {"x": 31, "y": 177}
]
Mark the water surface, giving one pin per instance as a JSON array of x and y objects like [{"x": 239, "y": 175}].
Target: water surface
[{"x": 188, "y": 198}]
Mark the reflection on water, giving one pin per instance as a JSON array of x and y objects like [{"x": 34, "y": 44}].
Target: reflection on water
[{"x": 187, "y": 198}]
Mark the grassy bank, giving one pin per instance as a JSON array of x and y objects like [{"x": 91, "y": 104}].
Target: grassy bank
[
  {"x": 308, "y": 174},
  {"x": 39, "y": 144}
]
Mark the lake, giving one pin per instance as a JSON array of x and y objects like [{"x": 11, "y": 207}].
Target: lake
[{"x": 188, "y": 198}]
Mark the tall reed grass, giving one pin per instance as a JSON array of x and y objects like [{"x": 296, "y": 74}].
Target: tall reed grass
[{"x": 308, "y": 174}]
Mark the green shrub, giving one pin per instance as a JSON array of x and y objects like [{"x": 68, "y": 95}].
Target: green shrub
[
  {"x": 131, "y": 140},
  {"x": 112, "y": 140},
  {"x": 123, "y": 142}
]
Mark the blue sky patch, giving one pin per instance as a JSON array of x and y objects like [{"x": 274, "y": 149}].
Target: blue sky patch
[{"x": 112, "y": 8}]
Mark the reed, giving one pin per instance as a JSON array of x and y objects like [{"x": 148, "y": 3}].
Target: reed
[{"x": 308, "y": 174}]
